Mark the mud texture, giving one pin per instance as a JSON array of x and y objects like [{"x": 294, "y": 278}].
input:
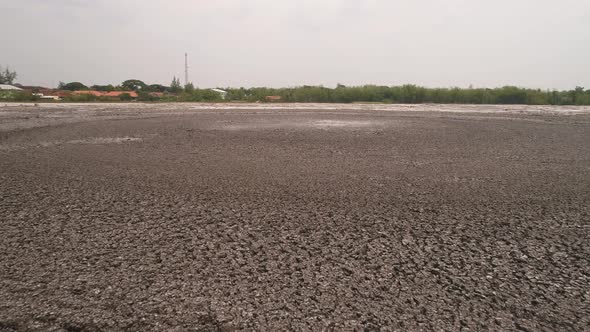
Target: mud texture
[{"x": 198, "y": 218}]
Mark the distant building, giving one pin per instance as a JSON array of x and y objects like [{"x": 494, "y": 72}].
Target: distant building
[
  {"x": 46, "y": 97},
  {"x": 62, "y": 93},
  {"x": 56, "y": 93},
  {"x": 273, "y": 98},
  {"x": 222, "y": 93},
  {"x": 34, "y": 88},
  {"x": 7, "y": 87}
]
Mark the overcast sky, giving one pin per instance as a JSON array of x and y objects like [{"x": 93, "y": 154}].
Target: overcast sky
[{"x": 531, "y": 43}]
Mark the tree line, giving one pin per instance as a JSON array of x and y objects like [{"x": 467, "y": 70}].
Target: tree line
[
  {"x": 128, "y": 85},
  {"x": 406, "y": 94},
  {"x": 146, "y": 92},
  {"x": 413, "y": 94}
]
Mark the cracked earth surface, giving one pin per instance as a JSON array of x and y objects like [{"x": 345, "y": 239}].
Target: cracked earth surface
[{"x": 184, "y": 218}]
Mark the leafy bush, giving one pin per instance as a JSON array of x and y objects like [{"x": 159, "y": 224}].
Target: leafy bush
[
  {"x": 83, "y": 98},
  {"x": 20, "y": 96},
  {"x": 125, "y": 97}
]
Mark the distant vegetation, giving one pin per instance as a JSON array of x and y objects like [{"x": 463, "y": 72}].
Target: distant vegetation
[
  {"x": 72, "y": 86},
  {"x": 406, "y": 94},
  {"x": 412, "y": 94}
]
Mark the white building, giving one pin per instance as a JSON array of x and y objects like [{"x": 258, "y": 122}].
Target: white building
[
  {"x": 222, "y": 93},
  {"x": 42, "y": 96},
  {"x": 7, "y": 87}
]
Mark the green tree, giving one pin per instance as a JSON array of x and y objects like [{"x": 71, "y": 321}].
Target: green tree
[
  {"x": 189, "y": 88},
  {"x": 7, "y": 76},
  {"x": 156, "y": 88},
  {"x": 72, "y": 86},
  {"x": 175, "y": 86},
  {"x": 134, "y": 85},
  {"x": 510, "y": 95},
  {"x": 578, "y": 95},
  {"x": 107, "y": 88}
]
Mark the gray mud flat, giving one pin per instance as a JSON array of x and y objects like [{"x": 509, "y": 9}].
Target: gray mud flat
[{"x": 294, "y": 217}]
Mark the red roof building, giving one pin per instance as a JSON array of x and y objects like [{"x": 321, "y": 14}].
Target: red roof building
[
  {"x": 112, "y": 94},
  {"x": 133, "y": 94},
  {"x": 89, "y": 92}
]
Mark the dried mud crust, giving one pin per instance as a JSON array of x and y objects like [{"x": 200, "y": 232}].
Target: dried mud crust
[{"x": 294, "y": 220}]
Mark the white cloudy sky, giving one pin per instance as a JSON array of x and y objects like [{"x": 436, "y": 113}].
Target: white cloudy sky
[{"x": 533, "y": 43}]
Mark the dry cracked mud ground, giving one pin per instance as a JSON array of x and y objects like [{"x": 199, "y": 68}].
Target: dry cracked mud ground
[{"x": 254, "y": 217}]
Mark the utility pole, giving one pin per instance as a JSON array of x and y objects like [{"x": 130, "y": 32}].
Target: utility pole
[{"x": 185, "y": 69}]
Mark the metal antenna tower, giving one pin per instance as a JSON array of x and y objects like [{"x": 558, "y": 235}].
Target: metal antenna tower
[{"x": 185, "y": 68}]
